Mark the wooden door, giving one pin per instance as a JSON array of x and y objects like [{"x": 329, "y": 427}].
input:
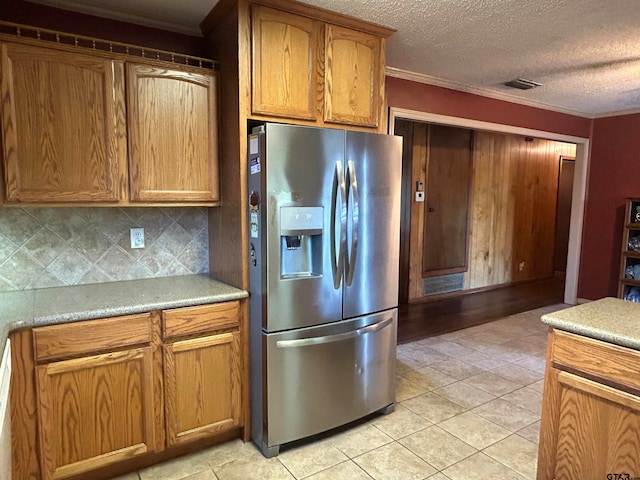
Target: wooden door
[
  {"x": 404, "y": 128},
  {"x": 285, "y": 79},
  {"x": 173, "y": 135},
  {"x": 563, "y": 214},
  {"x": 598, "y": 431},
  {"x": 95, "y": 411},
  {"x": 202, "y": 386},
  {"x": 63, "y": 126},
  {"x": 447, "y": 201},
  {"x": 352, "y": 77}
]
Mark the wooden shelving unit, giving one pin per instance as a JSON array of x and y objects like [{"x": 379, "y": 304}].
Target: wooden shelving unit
[{"x": 630, "y": 249}]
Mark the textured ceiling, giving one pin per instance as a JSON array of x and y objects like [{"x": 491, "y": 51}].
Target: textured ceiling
[{"x": 586, "y": 53}]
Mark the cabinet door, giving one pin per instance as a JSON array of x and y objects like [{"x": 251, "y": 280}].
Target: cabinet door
[
  {"x": 63, "y": 126},
  {"x": 352, "y": 77},
  {"x": 598, "y": 431},
  {"x": 202, "y": 386},
  {"x": 173, "y": 135},
  {"x": 95, "y": 411},
  {"x": 285, "y": 64},
  {"x": 5, "y": 419}
]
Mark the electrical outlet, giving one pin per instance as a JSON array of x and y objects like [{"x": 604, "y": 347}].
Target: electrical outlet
[{"x": 137, "y": 237}]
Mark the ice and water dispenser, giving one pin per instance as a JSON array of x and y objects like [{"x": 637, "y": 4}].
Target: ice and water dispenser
[{"x": 301, "y": 242}]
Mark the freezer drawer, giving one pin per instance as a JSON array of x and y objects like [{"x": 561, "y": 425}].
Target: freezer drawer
[{"x": 319, "y": 378}]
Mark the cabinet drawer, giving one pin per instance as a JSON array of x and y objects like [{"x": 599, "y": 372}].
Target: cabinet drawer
[
  {"x": 597, "y": 358},
  {"x": 203, "y": 318},
  {"x": 80, "y": 338}
]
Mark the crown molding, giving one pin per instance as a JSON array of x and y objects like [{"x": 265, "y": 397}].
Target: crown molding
[
  {"x": 483, "y": 92},
  {"x": 618, "y": 113},
  {"x": 138, "y": 19}
]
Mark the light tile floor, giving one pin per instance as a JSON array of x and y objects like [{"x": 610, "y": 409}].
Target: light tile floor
[{"x": 468, "y": 407}]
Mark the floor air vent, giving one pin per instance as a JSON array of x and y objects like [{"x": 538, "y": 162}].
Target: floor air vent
[{"x": 442, "y": 284}]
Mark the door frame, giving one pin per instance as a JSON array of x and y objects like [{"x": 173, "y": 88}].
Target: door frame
[{"x": 579, "y": 180}]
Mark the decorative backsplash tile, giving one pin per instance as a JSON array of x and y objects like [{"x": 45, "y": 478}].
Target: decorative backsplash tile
[{"x": 48, "y": 247}]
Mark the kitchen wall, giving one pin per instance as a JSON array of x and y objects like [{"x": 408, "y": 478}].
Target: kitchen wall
[
  {"x": 444, "y": 101},
  {"x": 43, "y": 16},
  {"x": 43, "y": 247},
  {"x": 47, "y": 247},
  {"x": 614, "y": 175}
]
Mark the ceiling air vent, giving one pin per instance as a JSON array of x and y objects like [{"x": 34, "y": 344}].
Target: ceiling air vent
[{"x": 522, "y": 84}]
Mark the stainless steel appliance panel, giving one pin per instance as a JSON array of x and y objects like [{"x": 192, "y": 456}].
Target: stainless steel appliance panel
[
  {"x": 318, "y": 378},
  {"x": 302, "y": 166},
  {"x": 374, "y": 171}
]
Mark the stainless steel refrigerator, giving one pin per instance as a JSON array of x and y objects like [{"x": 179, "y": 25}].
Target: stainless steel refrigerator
[{"x": 324, "y": 214}]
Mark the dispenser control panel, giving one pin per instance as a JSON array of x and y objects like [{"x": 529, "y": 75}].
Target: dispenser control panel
[{"x": 301, "y": 220}]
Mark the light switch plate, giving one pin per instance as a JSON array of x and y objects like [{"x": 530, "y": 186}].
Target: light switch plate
[
  {"x": 137, "y": 237},
  {"x": 419, "y": 196}
]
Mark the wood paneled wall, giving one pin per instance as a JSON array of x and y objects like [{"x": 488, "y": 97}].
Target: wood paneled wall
[
  {"x": 418, "y": 174},
  {"x": 513, "y": 208},
  {"x": 513, "y": 212}
]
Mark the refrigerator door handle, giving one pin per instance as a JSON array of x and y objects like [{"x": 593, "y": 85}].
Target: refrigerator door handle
[
  {"x": 337, "y": 257},
  {"x": 305, "y": 342},
  {"x": 352, "y": 193}
]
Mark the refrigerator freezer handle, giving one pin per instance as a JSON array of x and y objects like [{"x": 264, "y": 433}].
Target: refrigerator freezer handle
[
  {"x": 305, "y": 342},
  {"x": 355, "y": 214},
  {"x": 338, "y": 207}
]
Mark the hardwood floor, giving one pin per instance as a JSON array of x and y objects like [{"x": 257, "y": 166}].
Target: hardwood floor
[{"x": 420, "y": 320}]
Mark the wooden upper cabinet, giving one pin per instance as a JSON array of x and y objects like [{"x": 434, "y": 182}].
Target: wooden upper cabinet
[
  {"x": 285, "y": 64},
  {"x": 63, "y": 126},
  {"x": 172, "y": 135},
  {"x": 353, "y": 69},
  {"x": 306, "y": 68}
]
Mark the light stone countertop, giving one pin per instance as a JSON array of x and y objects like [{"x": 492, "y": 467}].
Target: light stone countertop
[
  {"x": 48, "y": 306},
  {"x": 611, "y": 320}
]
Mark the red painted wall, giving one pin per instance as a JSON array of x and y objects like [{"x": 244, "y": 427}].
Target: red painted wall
[
  {"x": 27, "y": 13},
  {"x": 443, "y": 101},
  {"x": 614, "y": 174}
]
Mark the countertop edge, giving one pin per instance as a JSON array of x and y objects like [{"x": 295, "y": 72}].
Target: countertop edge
[
  {"x": 607, "y": 319},
  {"x": 29, "y": 317},
  {"x": 92, "y": 314}
]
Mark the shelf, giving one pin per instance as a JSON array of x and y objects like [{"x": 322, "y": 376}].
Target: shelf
[{"x": 629, "y": 258}]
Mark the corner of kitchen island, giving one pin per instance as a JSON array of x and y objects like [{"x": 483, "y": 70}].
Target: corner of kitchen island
[{"x": 591, "y": 402}]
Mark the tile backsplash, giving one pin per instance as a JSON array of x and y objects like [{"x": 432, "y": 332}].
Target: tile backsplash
[{"x": 48, "y": 247}]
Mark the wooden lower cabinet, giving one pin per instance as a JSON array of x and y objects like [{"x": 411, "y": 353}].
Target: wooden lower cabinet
[
  {"x": 114, "y": 394},
  {"x": 598, "y": 430},
  {"x": 590, "y": 427},
  {"x": 95, "y": 411},
  {"x": 202, "y": 386}
]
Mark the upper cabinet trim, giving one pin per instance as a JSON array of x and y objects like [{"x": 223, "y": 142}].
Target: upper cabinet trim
[
  {"x": 14, "y": 32},
  {"x": 298, "y": 8}
]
